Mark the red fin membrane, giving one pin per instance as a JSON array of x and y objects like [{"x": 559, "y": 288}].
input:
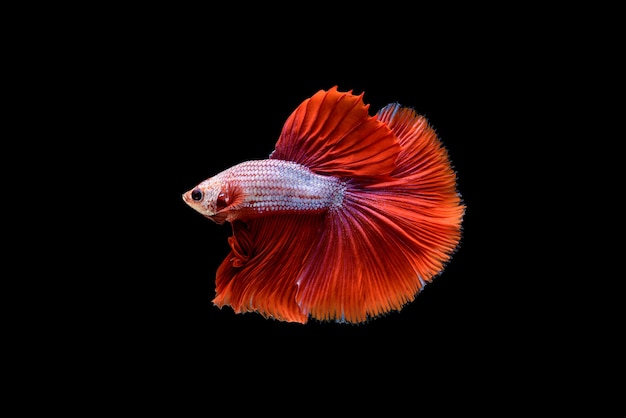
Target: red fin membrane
[
  {"x": 373, "y": 258},
  {"x": 424, "y": 177},
  {"x": 261, "y": 272},
  {"x": 332, "y": 133},
  {"x": 356, "y": 263},
  {"x": 361, "y": 269}
]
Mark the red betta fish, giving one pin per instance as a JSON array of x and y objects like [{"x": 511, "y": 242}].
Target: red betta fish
[{"x": 348, "y": 219}]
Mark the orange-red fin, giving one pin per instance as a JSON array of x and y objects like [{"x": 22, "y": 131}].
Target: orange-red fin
[
  {"x": 375, "y": 255},
  {"x": 332, "y": 133},
  {"x": 421, "y": 150},
  {"x": 424, "y": 169},
  {"x": 260, "y": 274},
  {"x": 366, "y": 258}
]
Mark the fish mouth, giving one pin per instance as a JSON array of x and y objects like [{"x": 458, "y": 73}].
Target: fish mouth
[{"x": 187, "y": 198}]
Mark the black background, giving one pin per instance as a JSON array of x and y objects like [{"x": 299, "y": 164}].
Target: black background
[
  {"x": 164, "y": 109},
  {"x": 200, "y": 117},
  {"x": 122, "y": 110}
]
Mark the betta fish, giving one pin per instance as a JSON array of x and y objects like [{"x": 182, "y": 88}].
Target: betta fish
[{"x": 347, "y": 220}]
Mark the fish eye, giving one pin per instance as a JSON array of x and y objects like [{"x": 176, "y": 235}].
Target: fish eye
[{"x": 196, "y": 195}]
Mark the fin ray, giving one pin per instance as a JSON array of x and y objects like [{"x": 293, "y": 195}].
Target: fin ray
[
  {"x": 374, "y": 258},
  {"x": 260, "y": 273},
  {"x": 332, "y": 133}
]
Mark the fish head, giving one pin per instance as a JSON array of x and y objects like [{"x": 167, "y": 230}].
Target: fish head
[{"x": 210, "y": 198}]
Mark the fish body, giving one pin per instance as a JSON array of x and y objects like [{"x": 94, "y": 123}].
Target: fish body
[
  {"x": 261, "y": 187},
  {"x": 348, "y": 219}
]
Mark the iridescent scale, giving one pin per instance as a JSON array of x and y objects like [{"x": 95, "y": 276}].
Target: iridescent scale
[{"x": 284, "y": 186}]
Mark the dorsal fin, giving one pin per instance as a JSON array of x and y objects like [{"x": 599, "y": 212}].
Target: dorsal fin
[{"x": 332, "y": 133}]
